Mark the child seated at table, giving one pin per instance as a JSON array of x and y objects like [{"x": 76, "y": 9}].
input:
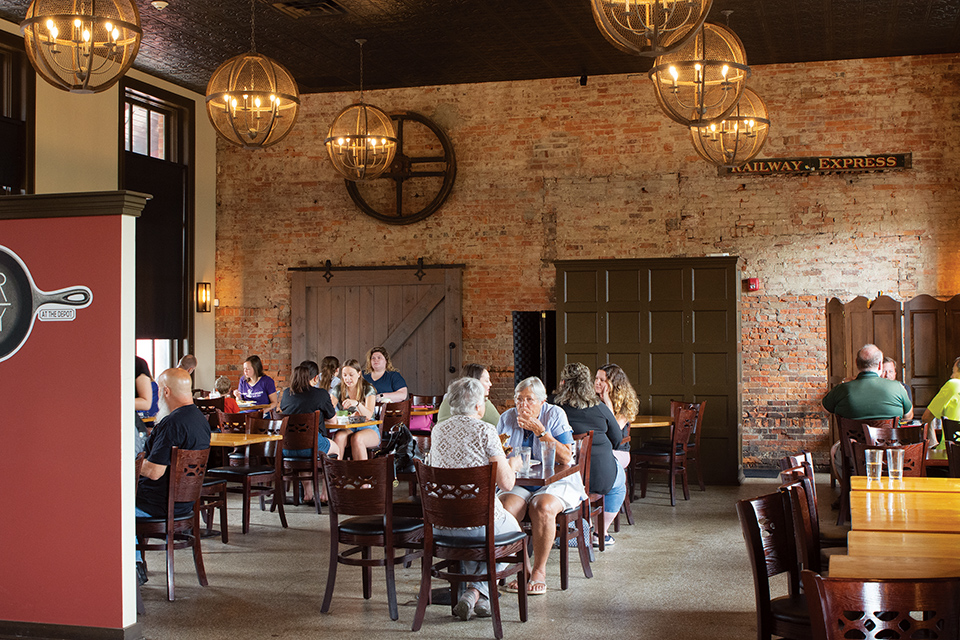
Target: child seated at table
[{"x": 221, "y": 388}]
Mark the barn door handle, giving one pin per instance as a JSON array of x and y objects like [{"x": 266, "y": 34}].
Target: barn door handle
[{"x": 453, "y": 346}]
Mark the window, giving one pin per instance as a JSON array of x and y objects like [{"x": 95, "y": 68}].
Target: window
[
  {"x": 17, "y": 84},
  {"x": 146, "y": 126}
]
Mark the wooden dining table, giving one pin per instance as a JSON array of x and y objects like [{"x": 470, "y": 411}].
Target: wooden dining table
[
  {"x": 240, "y": 439},
  {"x": 424, "y": 411},
  {"x": 649, "y": 422},
  {"x": 333, "y": 425}
]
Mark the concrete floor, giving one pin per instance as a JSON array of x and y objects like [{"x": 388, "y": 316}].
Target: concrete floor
[{"x": 681, "y": 572}]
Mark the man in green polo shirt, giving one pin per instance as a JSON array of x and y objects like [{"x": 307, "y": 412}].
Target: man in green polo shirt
[{"x": 869, "y": 396}]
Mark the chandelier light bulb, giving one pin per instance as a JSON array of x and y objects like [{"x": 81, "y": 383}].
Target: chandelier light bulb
[{"x": 738, "y": 138}]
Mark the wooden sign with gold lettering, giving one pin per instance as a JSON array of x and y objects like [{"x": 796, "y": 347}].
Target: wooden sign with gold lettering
[{"x": 823, "y": 164}]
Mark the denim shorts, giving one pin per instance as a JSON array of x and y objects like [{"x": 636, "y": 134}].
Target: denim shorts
[
  {"x": 323, "y": 446},
  {"x": 613, "y": 500}
]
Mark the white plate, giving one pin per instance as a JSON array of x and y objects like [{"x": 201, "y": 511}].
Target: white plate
[{"x": 534, "y": 463}]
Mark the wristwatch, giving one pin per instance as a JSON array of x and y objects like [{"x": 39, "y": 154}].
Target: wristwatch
[{"x": 542, "y": 435}]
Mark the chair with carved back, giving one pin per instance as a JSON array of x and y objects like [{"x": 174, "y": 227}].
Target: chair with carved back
[
  {"x": 693, "y": 446},
  {"x": 830, "y": 535},
  {"x": 892, "y": 436},
  {"x": 671, "y": 459},
  {"x": 796, "y": 490},
  {"x": 213, "y": 497},
  {"x": 394, "y": 413},
  {"x": 842, "y": 608},
  {"x": 300, "y": 437},
  {"x": 852, "y": 431},
  {"x": 465, "y": 498},
  {"x": 953, "y": 459},
  {"x": 257, "y": 474},
  {"x": 914, "y": 458},
  {"x": 950, "y": 430},
  {"x": 210, "y": 405},
  {"x": 364, "y": 489},
  {"x": 187, "y": 468},
  {"x": 767, "y": 527},
  {"x": 570, "y": 519}
]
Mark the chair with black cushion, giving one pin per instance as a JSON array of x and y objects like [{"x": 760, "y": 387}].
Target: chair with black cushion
[
  {"x": 953, "y": 459},
  {"x": 301, "y": 435},
  {"x": 893, "y": 436},
  {"x": 831, "y": 535},
  {"x": 187, "y": 469},
  {"x": 465, "y": 498},
  {"x": 671, "y": 458},
  {"x": 843, "y": 608},
  {"x": 852, "y": 431},
  {"x": 768, "y": 532},
  {"x": 258, "y": 473},
  {"x": 914, "y": 458},
  {"x": 364, "y": 489}
]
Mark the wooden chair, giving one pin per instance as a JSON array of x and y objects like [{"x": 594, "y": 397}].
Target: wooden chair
[
  {"x": 394, "y": 413},
  {"x": 670, "y": 459},
  {"x": 953, "y": 459},
  {"x": 465, "y": 498},
  {"x": 209, "y": 405},
  {"x": 258, "y": 473},
  {"x": 852, "y": 431},
  {"x": 423, "y": 432},
  {"x": 596, "y": 501},
  {"x": 830, "y": 535},
  {"x": 892, "y": 436},
  {"x": 842, "y": 608},
  {"x": 805, "y": 531},
  {"x": 187, "y": 468},
  {"x": 583, "y": 446},
  {"x": 950, "y": 430},
  {"x": 213, "y": 497},
  {"x": 301, "y": 435},
  {"x": 914, "y": 458},
  {"x": 693, "y": 446},
  {"x": 768, "y": 532},
  {"x": 364, "y": 488}
]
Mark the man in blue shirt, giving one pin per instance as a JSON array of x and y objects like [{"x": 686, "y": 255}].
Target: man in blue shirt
[{"x": 534, "y": 423}]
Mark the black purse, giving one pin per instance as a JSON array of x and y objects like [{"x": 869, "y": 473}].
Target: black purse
[{"x": 401, "y": 443}]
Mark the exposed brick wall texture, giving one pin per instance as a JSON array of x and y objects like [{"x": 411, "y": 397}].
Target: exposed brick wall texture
[{"x": 551, "y": 170}]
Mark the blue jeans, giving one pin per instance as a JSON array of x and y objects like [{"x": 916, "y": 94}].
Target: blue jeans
[
  {"x": 613, "y": 500},
  {"x": 140, "y": 514}
]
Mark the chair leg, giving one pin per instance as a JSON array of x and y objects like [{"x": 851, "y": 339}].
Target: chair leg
[
  {"x": 522, "y": 593},
  {"x": 278, "y": 499},
  {"x": 197, "y": 552},
  {"x": 564, "y": 553},
  {"x": 625, "y": 507},
  {"x": 643, "y": 482},
  {"x": 495, "y": 599},
  {"x": 223, "y": 516},
  {"x": 583, "y": 544},
  {"x": 672, "y": 477},
  {"x": 696, "y": 461},
  {"x": 423, "y": 598},
  {"x": 170, "y": 540},
  {"x": 388, "y": 559},
  {"x": 247, "y": 490},
  {"x": 367, "y": 572},
  {"x": 331, "y": 572},
  {"x": 686, "y": 487},
  {"x": 631, "y": 482}
]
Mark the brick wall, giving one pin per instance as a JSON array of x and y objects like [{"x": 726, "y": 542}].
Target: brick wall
[{"x": 551, "y": 170}]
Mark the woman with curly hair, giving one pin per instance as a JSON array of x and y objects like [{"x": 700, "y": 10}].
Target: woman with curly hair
[{"x": 614, "y": 389}]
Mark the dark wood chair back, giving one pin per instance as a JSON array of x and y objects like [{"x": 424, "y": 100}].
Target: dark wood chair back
[
  {"x": 187, "y": 468},
  {"x": 842, "y": 608},
  {"x": 806, "y": 528},
  {"x": 950, "y": 430},
  {"x": 583, "y": 449},
  {"x": 852, "y": 431},
  {"x": 301, "y": 431},
  {"x": 426, "y": 401},
  {"x": 892, "y": 436},
  {"x": 394, "y": 413},
  {"x": 684, "y": 425},
  {"x": 300, "y": 434},
  {"x": 210, "y": 405},
  {"x": 914, "y": 458},
  {"x": 358, "y": 487},
  {"x": 767, "y": 526},
  {"x": 264, "y": 452},
  {"x": 693, "y": 447},
  {"x": 458, "y": 497},
  {"x": 236, "y": 422},
  {"x": 953, "y": 458}
]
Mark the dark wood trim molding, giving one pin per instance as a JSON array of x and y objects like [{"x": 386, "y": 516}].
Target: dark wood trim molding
[
  {"x": 38, "y": 631},
  {"x": 68, "y": 205}
]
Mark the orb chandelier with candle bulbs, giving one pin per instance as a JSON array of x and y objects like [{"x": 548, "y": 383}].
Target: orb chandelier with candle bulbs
[
  {"x": 736, "y": 139},
  {"x": 644, "y": 27},
  {"x": 703, "y": 80},
  {"x": 252, "y": 100},
  {"x": 361, "y": 141},
  {"x": 82, "y": 47}
]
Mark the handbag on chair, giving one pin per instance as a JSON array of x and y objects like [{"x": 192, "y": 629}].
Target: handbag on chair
[{"x": 401, "y": 443}]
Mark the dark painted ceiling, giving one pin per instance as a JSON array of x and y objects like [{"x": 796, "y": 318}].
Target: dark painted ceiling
[{"x": 430, "y": 42}]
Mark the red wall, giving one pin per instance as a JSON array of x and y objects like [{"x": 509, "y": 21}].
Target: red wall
[{"x": 60, "y": 532}]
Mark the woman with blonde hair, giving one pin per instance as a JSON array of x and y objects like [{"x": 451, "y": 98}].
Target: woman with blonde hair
[
  {"x": 379, "y": 371},
  {"x": 614, "y": 389},
  {"x": 357, "y": 395}
]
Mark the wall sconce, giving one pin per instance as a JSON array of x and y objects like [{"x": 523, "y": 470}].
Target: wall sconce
[{"x": 204, "y": 297}]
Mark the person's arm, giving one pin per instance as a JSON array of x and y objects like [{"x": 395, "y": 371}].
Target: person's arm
[
  {"x": 399, "y": 393},
  {"x": 614, "y": 432},
  {"x": 506, "y": 471},
  {"x": 274, "y": 403},
  {"x": 144, "y": 393},
  {"x": 543, "y": 434},
  {"x": 152, "y": 470},
  {"x": 364, "y": 408},
  {"x": 326, "y": 405}
]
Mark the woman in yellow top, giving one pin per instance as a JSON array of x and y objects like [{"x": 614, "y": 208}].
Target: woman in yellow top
[{"x": 946, "y": 404}]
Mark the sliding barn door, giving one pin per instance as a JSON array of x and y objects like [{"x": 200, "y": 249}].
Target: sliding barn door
[
  {"x": 418, "y": 321},
  {"x": 673, "y": 325}
]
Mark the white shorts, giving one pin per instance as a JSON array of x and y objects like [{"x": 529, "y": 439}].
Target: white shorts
[{"x": 568, "y": 491}]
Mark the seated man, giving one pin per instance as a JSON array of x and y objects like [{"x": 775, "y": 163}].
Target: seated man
[
  {"x": 532, "y": 424},
  {"x": 181, "y": 425}
]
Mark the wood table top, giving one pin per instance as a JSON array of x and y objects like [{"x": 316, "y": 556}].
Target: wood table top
[
  {"x": 240, "y": 439},
  {"x": 540, "y": 476},
  {"x": 903, "y": 544},
  {"x": 935, "y": 485},
  {"x": 886, "y": 567},
  {"x": 646, "y": 422},
  {"x": 251, "y": 407},
  {"x": 424, "y": 411},
  {"x": 917, "y": 511},
  {"x": 333, "y": 425}
]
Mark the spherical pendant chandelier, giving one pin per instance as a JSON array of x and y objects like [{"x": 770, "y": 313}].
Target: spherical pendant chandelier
[
  {"x": 703, "y": 80},
  {"x": 252, "y": 100},
  {"x": 738, "y": 138},
  {"x": 82, "y": 47},
  {"x": 361, "y": 141},
  {"x": 644, "y": 27}
]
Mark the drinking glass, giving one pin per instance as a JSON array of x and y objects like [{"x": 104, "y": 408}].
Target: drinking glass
[
  {"x": 874, "y": 458},
  {"x": 895, "y": 463},
  {"x": 549, "y": 455},
  {"x": 525, "y": 459}
]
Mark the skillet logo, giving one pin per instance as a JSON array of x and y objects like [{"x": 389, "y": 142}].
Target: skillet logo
[{"x": 21, "y": 303}]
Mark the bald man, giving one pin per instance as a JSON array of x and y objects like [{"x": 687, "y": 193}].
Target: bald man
[
  {"x": 869, "y": 396},
  {"x": 188, "y": 363},
  {"x": 181, "y": 424}
]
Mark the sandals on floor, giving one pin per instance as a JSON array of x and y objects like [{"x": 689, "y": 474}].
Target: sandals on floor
[{"x": 534, "y": 587}]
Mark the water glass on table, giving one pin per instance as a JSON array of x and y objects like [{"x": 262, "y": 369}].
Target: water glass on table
[
  {"x": 895, "y": 463},
  {"x": 525, "y": 459},
  {"x": 874, "y": 459},
  {"x": 549, "y": 455}
]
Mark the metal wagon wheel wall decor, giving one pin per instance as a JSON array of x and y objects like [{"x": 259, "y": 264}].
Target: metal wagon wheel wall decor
[{"x": 424, "y": 165}]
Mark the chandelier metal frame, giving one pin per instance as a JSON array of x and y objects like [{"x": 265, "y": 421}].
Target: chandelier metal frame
[{"x": 643, "y": 27}]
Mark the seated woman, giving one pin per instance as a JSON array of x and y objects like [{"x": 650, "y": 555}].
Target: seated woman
[
  {"x": 614, "y": 389},
  {"x": 304, "y": 397},
  {"x": 379, "y": 371},
  {"x": 465, "y": 440},
  {"x": 255, "y": 386},
  {"x": 329, "y": 373},
  {"x": 357, "y": 395},
  {"x": 586, "y": 413},
  {"x": 479, "y": 372},
  {"x": 946, "y": 404}
]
